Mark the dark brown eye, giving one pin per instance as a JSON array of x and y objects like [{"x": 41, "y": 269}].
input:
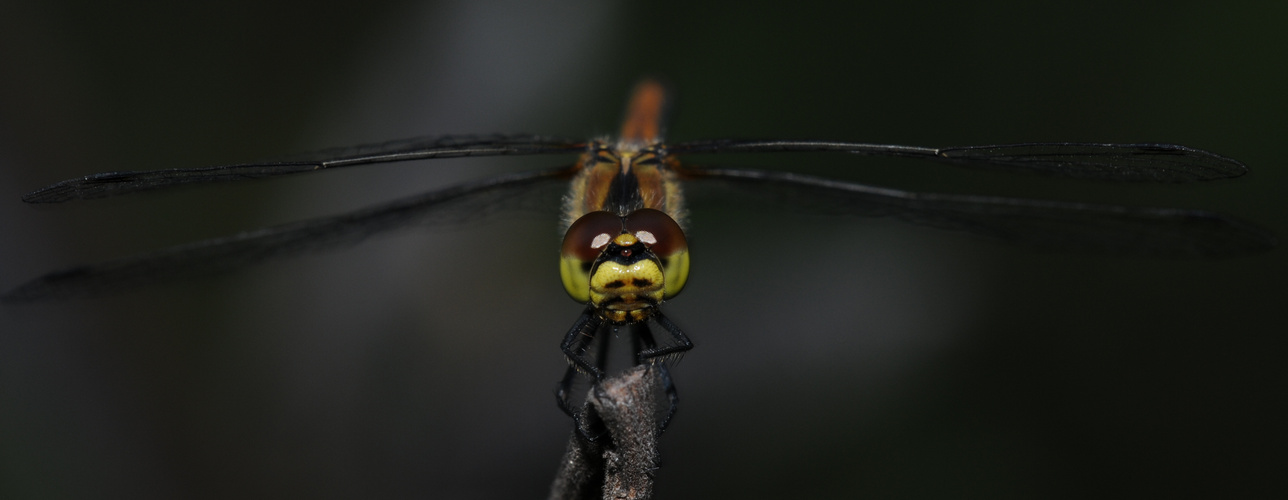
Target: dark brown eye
[
  {"x": 590, "y": 234},
  {"x": 658, "y": 231}
]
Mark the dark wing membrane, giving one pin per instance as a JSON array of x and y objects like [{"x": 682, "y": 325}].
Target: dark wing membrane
[
  {"x": 1042, "y": 224},
  {"x": 448, "y": 205},
  {"x": 420, "y": 148},
  {"x": 1117, "y": 162}
]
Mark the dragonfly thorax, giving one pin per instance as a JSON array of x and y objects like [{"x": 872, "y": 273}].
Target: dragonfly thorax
[{"x": 622, "y": 177}]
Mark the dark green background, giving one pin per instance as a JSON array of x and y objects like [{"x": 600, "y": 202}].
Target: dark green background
[{"x": 837, "y": 357}]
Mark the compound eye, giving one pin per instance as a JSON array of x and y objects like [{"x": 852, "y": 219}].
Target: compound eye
[
  {"x": 663, "y": 236},
  {"x": 659, "y": 232},
  {"x": 585, "y": 240},
  {"x": 588, "y": 236}
]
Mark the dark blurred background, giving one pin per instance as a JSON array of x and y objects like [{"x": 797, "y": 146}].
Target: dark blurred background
[{"x": 837, "y": 356}]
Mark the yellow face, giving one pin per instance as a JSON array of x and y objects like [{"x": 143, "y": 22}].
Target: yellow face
[{"x": 624, "y": 266}]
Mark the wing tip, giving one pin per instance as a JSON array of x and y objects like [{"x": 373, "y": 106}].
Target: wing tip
[{"x": 56, "y": 193}]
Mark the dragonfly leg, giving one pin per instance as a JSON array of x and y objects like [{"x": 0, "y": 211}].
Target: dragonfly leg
[
  {"x": 644, "y": 341},
  {"x": 562, "y": 396},
  {"x": 574, "y": 346},
  {"x": 682, "y": 342},
  {"x": 578, "y": 337},
  {"x": 580, "y": 425}
]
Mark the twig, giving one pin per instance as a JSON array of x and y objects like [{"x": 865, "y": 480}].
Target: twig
[{"x": 620, "y": 415}]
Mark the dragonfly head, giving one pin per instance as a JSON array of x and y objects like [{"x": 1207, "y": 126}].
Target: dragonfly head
[{"x": 624, "y": 266}]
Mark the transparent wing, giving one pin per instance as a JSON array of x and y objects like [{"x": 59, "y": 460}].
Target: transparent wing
[
  {"x": 1042, "y": 224},
  {"x": 420, "y": 148},
  {"x": 448, "y": 205},
  {"x": 1118, "y": 162}
]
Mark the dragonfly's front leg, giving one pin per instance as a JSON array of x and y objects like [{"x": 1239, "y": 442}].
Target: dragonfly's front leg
[
  {"x": 578, "y": 338},
  {"x": 574, "y": 347},
  {"x": 644, "y": 342},
  {"x": 682, "y": 342}
]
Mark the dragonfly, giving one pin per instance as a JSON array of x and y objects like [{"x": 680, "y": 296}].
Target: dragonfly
[{"x": 625, "y": 253}]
